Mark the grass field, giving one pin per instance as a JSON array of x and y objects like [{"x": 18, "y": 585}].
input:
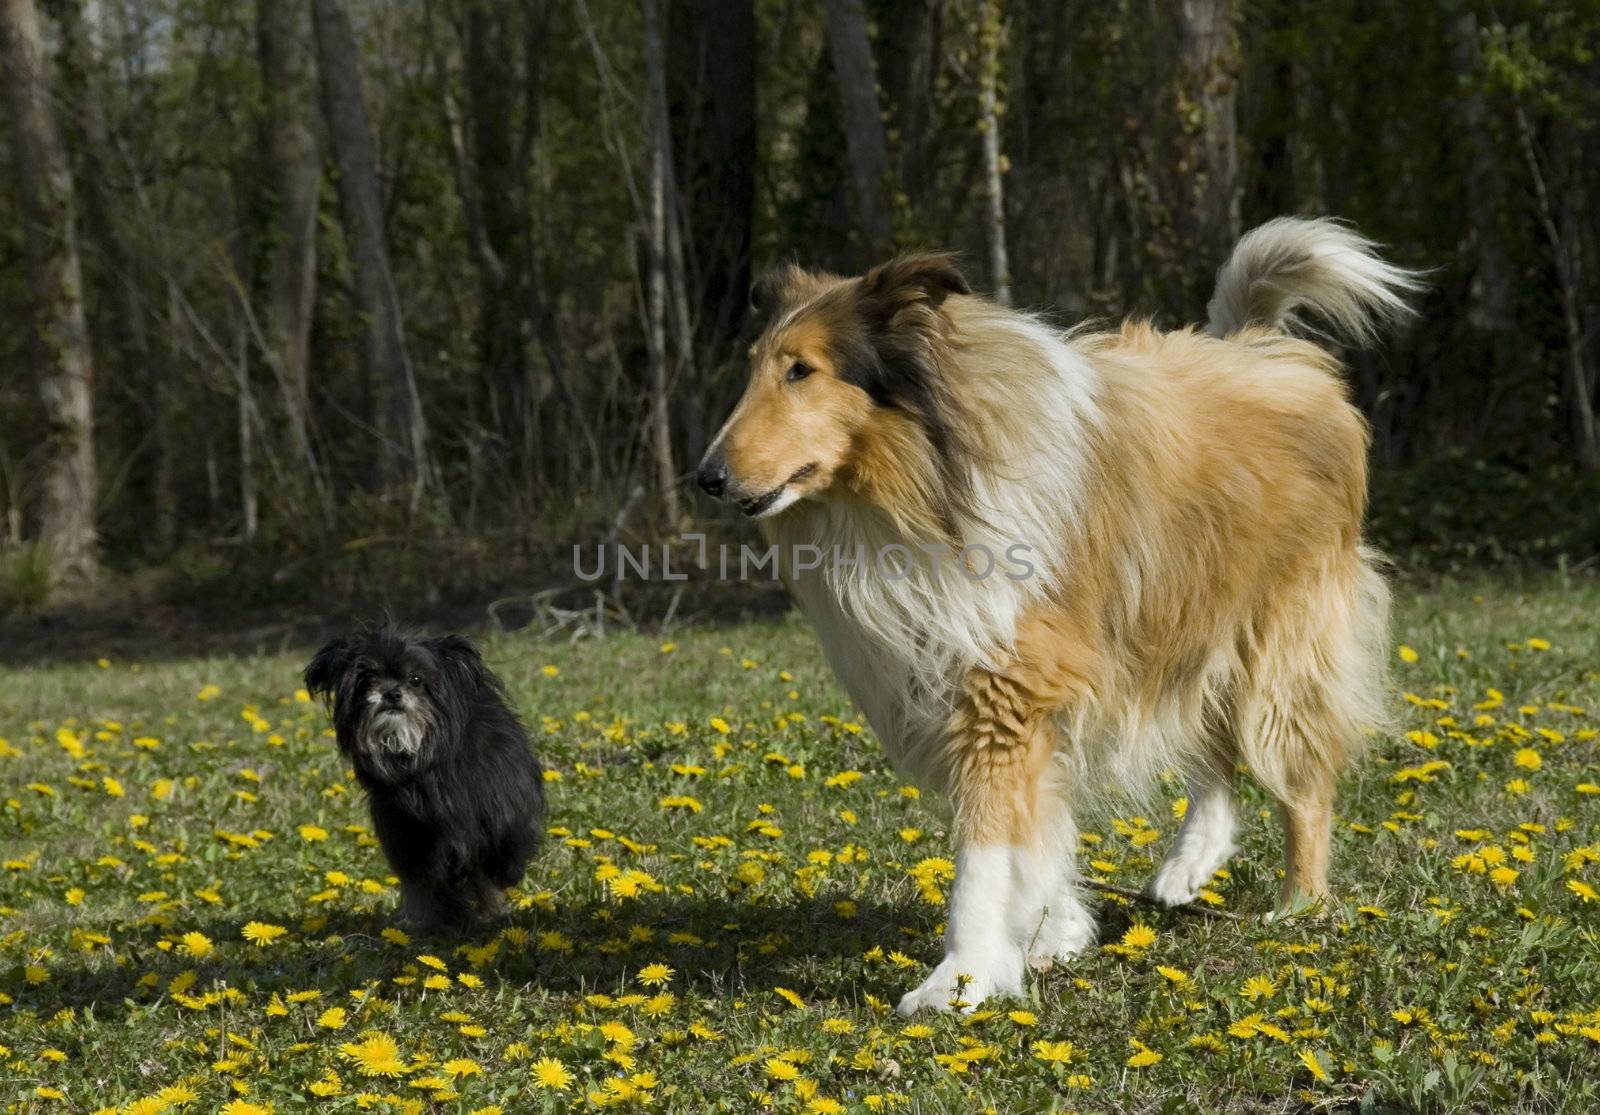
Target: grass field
[{"x": 736, "y": 889}]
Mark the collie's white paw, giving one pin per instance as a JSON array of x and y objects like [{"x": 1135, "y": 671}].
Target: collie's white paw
[
  {"x": 961, "y": 983},
  {"x": 1179, "y": 881}
]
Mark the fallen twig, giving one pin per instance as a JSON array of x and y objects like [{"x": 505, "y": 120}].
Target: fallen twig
[{"x": 1188, "y": 908}]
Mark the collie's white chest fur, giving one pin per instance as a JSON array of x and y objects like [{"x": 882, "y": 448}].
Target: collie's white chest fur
[{"x": 901, "y": 620}]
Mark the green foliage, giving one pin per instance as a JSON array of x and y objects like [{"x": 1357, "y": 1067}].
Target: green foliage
[
  {"x": 24, "y": 578},
  {"x": 1459, "y": 512}
]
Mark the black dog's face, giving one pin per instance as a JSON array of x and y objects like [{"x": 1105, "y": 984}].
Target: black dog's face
[{"x": 396, "y": 701}]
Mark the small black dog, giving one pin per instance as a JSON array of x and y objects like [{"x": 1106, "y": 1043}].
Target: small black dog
[{"x": 457, "y": 796}]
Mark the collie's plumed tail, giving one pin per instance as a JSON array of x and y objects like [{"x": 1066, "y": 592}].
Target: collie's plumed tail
[{"x": 1292, "y": 263}]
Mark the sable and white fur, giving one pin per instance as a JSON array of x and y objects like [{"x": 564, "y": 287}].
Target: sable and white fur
[{"x": 1191, "y": 507}]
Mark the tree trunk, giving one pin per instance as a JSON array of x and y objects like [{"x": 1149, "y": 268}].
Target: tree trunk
[
  {"x": 120, "y": 332},
  {"x": 907, "y": 61},
  {"x": 1557, "y": 221},
  {"x": 1490, "y": 340},
  {"x": 383, "y": 349},
  {"x": 249, "y": 507},
  {"x": 290, "y": 156},
  {"x": 862, "y": 117},
  {"x": 499, "y": 175},
  {"x": 989, "y": 123},
  {"x": 712, "y": 88},
  {"x": 656, "y": 313},
  {"x": 1205, "y": 162},
  {"x": 59, "y": 342}
]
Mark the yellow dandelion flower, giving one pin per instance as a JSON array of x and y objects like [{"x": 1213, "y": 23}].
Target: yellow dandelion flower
[
  {"x": 1143, "y": 1056},
  {"x": 261, "y": 934},
  {"x": 1139, "y": 936},
  {"x": 550, "y": 1074},
  {"x": 1258, "y": 987},
  {"x": 1308, "y": 1058},
  {"x": 244, "y": 1107},
  {"x": 376, "y": 1054},
  {"x": 197, "y": 945},
  {"x": 1056, "y": 1052},
  {"x": 655, "y": 975},
  {"x": 780, "y": 1069}
]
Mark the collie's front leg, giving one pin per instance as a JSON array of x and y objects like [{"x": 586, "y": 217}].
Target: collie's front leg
[
  {"x": 981, "y": 956},
  {"x": 998, "y": 753}
]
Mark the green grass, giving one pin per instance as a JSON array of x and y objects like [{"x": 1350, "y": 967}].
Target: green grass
[{"x": 149, "y": 802}]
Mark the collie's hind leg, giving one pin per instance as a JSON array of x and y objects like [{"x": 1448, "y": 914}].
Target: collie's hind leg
[
  {"x": 999, "y": 750},
  {"x": 1317, "y": 691},
  {"x": 1205, "y": 841},
  {"x": 1307, "y": 814},
  {"x": 1295, "y": 749}
]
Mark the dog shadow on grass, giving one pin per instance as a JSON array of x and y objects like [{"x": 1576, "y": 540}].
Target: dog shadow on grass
[{"x": 717, "y": 946}]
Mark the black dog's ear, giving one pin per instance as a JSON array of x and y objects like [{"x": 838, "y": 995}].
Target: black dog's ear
[
  {"x": 458, "y": 654},
  {"x": 328, "y": 668}
]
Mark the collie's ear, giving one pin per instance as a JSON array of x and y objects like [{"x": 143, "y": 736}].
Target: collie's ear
[
  {"x": 769, "y": 288},
  {"x": 461, "y": 657},
  {"x": 328, "y": 668},
  {"x": 928, "y": 277}
]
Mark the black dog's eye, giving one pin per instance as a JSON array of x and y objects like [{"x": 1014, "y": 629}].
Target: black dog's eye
[
  {"x": 798, "y": 371},
  {"x": 415, "y": 681}
]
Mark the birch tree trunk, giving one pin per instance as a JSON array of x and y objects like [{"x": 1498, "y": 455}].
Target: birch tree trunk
[
  {"x": 863, "y": 121},
  {"x": 656, "y": 311},
  {"x": 130, "y": 352},
  {"x": 59, "y": 344},
  {"x": 398, "y": 409},
  {"x": 989, "y": 124},
  {"x": 291, "y": 155},
  {"x": 249, "y": 505}
]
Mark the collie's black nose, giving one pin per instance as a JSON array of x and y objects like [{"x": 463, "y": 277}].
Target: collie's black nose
[
  {"x": 713, "y": 476},
  {"x": 391, "y": 697}
]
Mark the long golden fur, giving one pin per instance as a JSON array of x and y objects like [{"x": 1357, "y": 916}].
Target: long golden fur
[{"x": 1188, "y": 508}]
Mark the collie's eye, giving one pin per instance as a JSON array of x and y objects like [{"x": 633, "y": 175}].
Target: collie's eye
[
  {"x": 415, "y": 680},
  {"x": 798, "y": 371}
]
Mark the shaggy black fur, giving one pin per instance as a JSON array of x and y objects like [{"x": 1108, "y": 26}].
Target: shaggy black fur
[{"x": 457, "y": 796}]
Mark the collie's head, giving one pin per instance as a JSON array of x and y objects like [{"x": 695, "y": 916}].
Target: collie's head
[{"x": 849, "y": 391}]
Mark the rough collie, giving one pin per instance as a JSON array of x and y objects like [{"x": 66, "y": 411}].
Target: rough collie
[{"x": 1187, "y": 586}]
